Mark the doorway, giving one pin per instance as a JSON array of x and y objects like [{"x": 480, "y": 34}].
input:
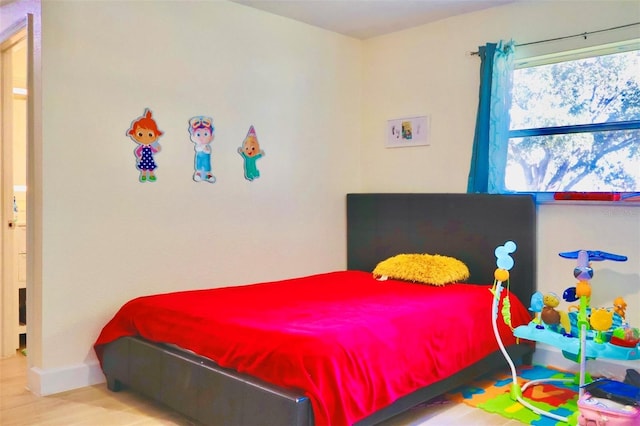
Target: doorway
[{"x": 13, "y": 159}]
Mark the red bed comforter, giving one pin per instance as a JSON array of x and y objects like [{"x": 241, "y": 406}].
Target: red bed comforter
[{"x": 351, "y": 343}]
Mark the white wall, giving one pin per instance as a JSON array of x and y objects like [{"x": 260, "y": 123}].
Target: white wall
[
  {"x": 106, "y": 237},
  {"x": 428, "y": 71}
]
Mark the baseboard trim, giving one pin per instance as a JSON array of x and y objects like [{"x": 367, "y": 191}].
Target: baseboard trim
[
  {"x": 611, "y": 368},
  {"x": 44, "y": 382}
]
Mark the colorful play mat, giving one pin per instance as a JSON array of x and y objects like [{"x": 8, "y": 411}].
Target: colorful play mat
[{"x": 491, "y": 393}]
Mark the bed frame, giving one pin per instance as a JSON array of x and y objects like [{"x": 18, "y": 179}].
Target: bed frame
[{"x": 466, "y": 226}]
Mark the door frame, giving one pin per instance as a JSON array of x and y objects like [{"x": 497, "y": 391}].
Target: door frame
[{"x": 9, "y": 339}]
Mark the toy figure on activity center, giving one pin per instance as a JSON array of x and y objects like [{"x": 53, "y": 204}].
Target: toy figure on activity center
[
  {"x": 604, "y": 331},
  {"x": 570, "y": 331}
]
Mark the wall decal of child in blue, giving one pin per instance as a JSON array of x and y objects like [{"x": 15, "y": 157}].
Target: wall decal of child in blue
[
  {"x": 251, "y": 152},
  {"x": 201, "y": 133},
  {"x": 144, "y": 131}
]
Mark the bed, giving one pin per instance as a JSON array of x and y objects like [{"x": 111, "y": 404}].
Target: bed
[{"x": 248, "y": 371}]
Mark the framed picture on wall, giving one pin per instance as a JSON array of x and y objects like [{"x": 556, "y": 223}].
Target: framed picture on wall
[{"x": 408, "y": 131}]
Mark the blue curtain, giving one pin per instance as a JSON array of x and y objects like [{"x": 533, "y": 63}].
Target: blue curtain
[{"x": 489, "y": 156}]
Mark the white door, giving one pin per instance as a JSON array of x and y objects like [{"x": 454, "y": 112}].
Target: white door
[{"x": 13, "y": 143}]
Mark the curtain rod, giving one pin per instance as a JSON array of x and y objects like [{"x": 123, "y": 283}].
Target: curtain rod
[{"x": 585, "y": 34}]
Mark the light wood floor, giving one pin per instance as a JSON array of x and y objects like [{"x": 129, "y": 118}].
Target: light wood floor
[{"x": 96, "y": 405}]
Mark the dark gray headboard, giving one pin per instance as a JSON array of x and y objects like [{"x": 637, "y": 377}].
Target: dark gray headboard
[{"x": 466, "y": 226}]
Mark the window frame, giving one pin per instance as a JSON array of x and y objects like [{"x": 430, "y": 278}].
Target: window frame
[{"x": 565, "y": 56}]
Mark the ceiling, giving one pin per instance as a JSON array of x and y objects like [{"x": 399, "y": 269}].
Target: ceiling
[{"x": 364, "y": 19}]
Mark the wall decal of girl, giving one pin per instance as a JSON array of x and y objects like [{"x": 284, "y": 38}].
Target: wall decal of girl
[
  {"x": 201, "y": 133},
  {"x": 145, "y": 133}
]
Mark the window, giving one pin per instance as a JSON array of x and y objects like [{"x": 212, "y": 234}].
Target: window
[{"x": 575, "y": 122}]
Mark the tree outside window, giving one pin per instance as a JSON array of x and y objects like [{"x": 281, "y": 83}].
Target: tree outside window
[{"x": 575, "y": 126}]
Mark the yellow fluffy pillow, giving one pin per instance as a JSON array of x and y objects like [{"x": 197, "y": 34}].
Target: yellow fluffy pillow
[{"x": 423, "y": 268}]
